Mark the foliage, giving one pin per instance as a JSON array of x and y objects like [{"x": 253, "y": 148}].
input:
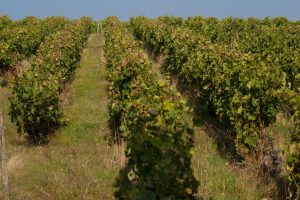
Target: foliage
[
  {"x": 276, "y": 40},
  {"x": 4, "y": 22},
  {"x": 19, "y": 41},
  {"x": 171, "y": 20},
  {"x": 53, "y": 24},
  {"x": 151, "y": 119},
  {"x": 243, "y": 90},
  {"x": 35, "y": 102},
  {"x": 293, "y": 160},
  {"x": 23, "y": 38}
]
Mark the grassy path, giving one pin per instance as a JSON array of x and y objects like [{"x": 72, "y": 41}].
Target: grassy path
[{"x": 77, "y": 163}]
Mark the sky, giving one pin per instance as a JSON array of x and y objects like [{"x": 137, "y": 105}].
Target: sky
[{"x": 124, "y": 9}]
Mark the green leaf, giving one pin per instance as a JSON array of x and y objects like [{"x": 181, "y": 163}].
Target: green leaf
[
  {"x": 131, "y": 175},
  {"x": 122, "y": 128},
  {"x": 251, "y": 84},
  {"x": 251, "y": 141},
  {"x": 161, "y": 83},
  {"x": 240, "y": 110},
  {"x": 251, "y": 117},
  {"x": 168, "y": 105}
]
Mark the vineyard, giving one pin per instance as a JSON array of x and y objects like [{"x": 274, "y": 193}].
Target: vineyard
[{"x": 165, "y": 108}]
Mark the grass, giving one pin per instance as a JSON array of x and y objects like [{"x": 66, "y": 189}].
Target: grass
[
  {"x": 218, "y": 179},
  {"x": 77, "y": 163}
]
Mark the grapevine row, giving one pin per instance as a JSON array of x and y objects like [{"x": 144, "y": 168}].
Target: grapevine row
[
  {"x": 276, "y": 40},
  {"x": 243, "y": 91},
  {"x": 22, "y": 38},
  {"x": 35, "y": 104},
  {"x": 149, "y": 115}
]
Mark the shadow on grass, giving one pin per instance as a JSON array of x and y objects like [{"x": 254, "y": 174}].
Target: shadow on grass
[
  {"x": 221, "y": 132},
  {"x": 123, "y": 184},
  {"x": 40, "y": 138},
  {"x": 24, "y": 139}
]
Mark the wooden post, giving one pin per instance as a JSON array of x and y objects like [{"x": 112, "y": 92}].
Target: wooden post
[
  {"x": 98, "y": 24},
  {"x": 101, "y": 27},
  {"x": 3, "y": 160}
]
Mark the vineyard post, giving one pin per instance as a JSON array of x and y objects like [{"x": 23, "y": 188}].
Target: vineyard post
[
  {"x": 3, "y": 160},
  {"x": 101, "y": 27},
  {"x": 98, "y": 24}
]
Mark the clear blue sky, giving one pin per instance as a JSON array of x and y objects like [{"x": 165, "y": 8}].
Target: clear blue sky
[{"x": 99, "y": 9}]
